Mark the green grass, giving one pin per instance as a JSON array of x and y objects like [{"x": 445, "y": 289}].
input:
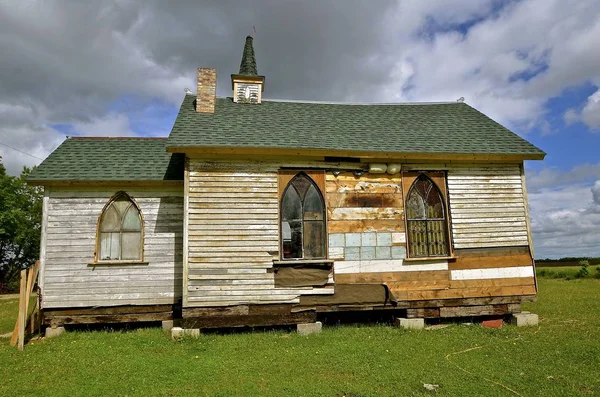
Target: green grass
[
  {"x": 560, "y": 357},
  {"x": 9, "y": 309},
  {"x": 8, "y": 315}
]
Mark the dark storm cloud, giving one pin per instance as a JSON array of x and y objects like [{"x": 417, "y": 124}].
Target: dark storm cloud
[
  {"x": 306, "y": 50},
  {"x": 75, "y": 57}
]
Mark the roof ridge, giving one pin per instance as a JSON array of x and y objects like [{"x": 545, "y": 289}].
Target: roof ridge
[
  {"x": 118, "y": 137},
  {"x": 360, "y": 103}
]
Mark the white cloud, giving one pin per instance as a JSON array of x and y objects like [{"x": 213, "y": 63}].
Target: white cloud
[
  {"x": 571, "y": 116},
  {"x": 22, "y": 128},
  {"x": 565, "y": 211},
  {"x": 596, "y": 193},
  {"x": 113, "y": 124},
  {"x": 507, "y": 65},
  {"x": 553, "y": 178},
  {"x": 590, "y": 114},
  {"x": 565, "y": 222}
]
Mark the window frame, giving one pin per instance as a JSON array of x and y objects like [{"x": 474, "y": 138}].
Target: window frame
[
  {"x": 439, "y": 179},
  {"x": 318, "y": 178},
  {"x": 97, "y": 259}
]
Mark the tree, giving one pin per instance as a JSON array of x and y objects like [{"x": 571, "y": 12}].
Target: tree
[{"x": 20, "y": 224}]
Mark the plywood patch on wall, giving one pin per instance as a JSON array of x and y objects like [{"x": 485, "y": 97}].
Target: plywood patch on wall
[{"x": 487, "y": 207}]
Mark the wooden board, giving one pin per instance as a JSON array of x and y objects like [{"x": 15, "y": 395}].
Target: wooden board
[
  {"x": 386, "y": 277},
  {"x": 365, "y": 225},
  {"x": 490, "y": 197},
  {"x": 469, "y": 262},
  {"x": 474, "y": 292},
  {"x": 108, "y": 318},
  {"x": 256, "y": 320}
]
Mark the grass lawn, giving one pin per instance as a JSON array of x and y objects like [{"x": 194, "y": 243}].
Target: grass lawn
[
  {"x": 9, "y": 309},
  {"x": 560, "y": 357}
]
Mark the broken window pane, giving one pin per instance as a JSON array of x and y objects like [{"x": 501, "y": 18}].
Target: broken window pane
[
  {"x": 302, "y": 183},
  {"x": 313, "y": 204},
  {"x": 291, "y": 204},
  {"x": 292, "y": 248},
  {"x": 314, "y": 239}
]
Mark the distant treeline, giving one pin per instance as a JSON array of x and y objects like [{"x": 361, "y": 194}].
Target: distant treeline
[{"x": 568, "y": 261}]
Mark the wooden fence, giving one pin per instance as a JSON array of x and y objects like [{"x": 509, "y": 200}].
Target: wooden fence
[{"x": 28, "y": 279}]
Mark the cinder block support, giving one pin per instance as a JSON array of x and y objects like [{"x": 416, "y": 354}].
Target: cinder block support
[
  {"x": 52, "y": 332},
  {"x": 178, "y": 333},
  {"x": 167, "y": 325},
  {"x": 524, "y": 319},
  {"x": 410, "y": 323},
  {"x": 309, "y": 328}
]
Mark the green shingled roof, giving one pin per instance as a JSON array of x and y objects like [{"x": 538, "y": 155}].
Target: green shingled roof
[
  {"x": 453, "y": 128},
  {"x": 110, "y": 159}
]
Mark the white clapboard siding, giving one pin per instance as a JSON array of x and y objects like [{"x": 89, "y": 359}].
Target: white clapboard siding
[
  {"x": 70, "y": 240},
  {"x": 487, "y": 206},
  {"x": 233, "y": 236}
]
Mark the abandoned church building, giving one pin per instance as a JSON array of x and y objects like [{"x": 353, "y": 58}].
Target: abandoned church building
[{"x": 267, "y": 212}]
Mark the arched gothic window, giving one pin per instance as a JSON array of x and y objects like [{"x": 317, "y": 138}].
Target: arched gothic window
[
  {"x": 120, "y": 230},
  {"x": 302, "y": 220},
  {"x": 426, "y": 219}
]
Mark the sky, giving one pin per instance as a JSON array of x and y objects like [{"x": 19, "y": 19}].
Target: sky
[{"x": 120, "y": 68}]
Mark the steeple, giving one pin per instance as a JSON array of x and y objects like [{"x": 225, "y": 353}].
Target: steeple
[
  {"x": 247, "y": 85},
  {"x": 248, "y": 65}
]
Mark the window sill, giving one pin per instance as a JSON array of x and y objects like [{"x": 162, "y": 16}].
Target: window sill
[
  {"x": 292, "y": 262},
  {"x": 429, "y": 259},
  {"x": 117, "y": 263}
]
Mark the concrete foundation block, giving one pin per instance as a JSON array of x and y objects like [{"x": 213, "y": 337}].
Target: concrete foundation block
[
  {"x": 309, "y": 328},
  {"x": 178, "y": 333},
  {"x": 167, "y": 325},
  {"x": 52, "y": 332},
  {"x": 524, "y": 319},
  {"x": 410, "y": 323}
]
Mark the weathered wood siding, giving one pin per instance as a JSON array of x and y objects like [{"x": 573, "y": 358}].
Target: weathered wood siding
[
  {"x": 70, "y": 235},
  {"x": 487, "y": 207},
  {"x": 488, "y": 228},
  {"x": 365, "y": 222},
  {"x": 233, "y": 236}
]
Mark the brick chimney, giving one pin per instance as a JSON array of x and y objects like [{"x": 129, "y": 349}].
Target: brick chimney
[{"x": 207, "y": 90}]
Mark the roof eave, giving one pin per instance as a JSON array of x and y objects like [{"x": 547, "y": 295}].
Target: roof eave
[
  {"x": 231, "y": 150},
  {"x": 66, "y": 182}
]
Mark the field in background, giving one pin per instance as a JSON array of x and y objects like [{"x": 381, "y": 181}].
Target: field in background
[
  {"x": 565, "y": 262},
  {"x": 567, "y": 272},
  {"x": 560, "y": 357}
]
